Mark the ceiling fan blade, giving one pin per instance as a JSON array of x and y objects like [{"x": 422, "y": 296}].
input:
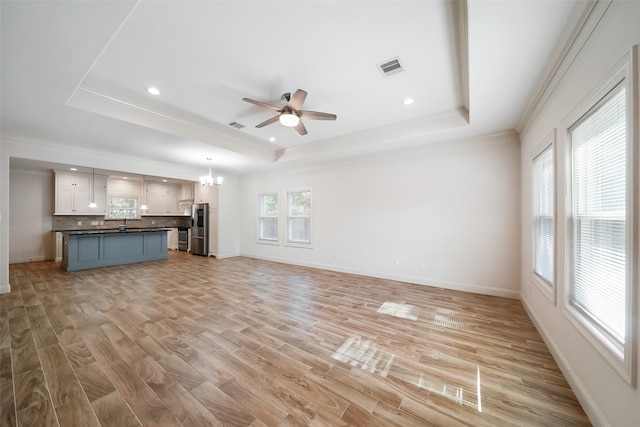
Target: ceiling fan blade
[
  {"x": 297, "y": 99},
  {"x": 262, "y": 104},
  {"x": 300, "y": 128},
  {"x": 316, "y": 115},
  {"x": 268, "y": 121}
]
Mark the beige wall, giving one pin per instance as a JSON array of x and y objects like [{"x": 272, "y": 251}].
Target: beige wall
[
  {"x": 453, "y": 207},
  {"x": 30, "y": 235}
]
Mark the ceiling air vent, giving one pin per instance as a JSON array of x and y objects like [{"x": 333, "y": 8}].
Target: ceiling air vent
[
  {"x": 391, "y": 66},
  {"x": 236, "y": 125}
]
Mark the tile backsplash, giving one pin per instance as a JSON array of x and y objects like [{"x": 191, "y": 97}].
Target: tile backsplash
[{"x": 69, "y": 222}]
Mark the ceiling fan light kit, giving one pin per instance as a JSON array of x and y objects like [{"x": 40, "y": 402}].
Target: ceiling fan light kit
[
  {"x": 291, "y": 115},
  {"x": 289, "y": 119}
]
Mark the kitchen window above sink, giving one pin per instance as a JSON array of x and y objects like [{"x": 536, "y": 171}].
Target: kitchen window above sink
[{"x": 123, "y": 208}]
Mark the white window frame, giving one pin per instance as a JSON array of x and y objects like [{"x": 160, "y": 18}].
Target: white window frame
[
  {"x": 626, "y": 73},
  {"x": 296, "y": 243},
  {"x": 259, "y": 237},
  {"x": 123, "y": 196},
  {"x": 547, "y": 288}
]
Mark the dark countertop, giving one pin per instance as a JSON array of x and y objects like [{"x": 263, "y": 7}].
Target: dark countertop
[{"x": 114, "y": 231}]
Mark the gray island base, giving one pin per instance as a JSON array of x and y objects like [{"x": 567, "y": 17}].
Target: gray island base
[{"x": 104, "y": 248}]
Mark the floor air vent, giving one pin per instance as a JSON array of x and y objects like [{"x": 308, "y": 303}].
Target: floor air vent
[
  {"x": 236, "y": 125},
  {"x": 390, "y": 67}
]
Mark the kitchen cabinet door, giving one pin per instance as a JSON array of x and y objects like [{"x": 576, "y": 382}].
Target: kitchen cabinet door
[
  {"x": 172, "y": 239},
  {"x": 81, "y": 200},
  {"x": 168, "y": 199},
  {"x": 65, "y": 180},
  {"x": 99, "y": 193},
  {"x": 72, "y": 201},
  {"x": 152, "y": 188},
  {"x": 164, "y": 204},
  {"x": 206, "y": 194},
  {"x": 64, "y": 200},
  {"x": 100, "y": 197},
  {"x": 153, "y": 203},
  {"x": 82, "y": 180},
  {"x": 186, "y": 191}
]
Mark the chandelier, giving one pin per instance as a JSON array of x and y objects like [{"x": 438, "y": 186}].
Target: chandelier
[{"x": 209, "y": 180}]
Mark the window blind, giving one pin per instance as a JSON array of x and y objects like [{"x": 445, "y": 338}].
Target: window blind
[
  {"x": 543, "y": 215},
  {"x": 598, "y": 222}
]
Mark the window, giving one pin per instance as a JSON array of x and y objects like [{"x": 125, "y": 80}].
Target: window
[
  {"x": 598, "y": 227},
  {"x": 123, "y": 207},
  {"x": 268, "y": 219},
  {"x": 299, "y": 217},
  {"x": 543, "y": 241}
]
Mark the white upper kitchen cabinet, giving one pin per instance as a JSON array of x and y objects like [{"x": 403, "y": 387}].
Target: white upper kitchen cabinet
[
  {"x": 186, "y": 191},
  {"x": 161, "y": 198},
  {"x": 206, "y": 194},
  {"x": 100, "y": 194},
  {"x": 74, "y": 191}
]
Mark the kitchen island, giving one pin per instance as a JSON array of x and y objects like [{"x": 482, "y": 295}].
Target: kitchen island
[{"x": 82, "y": 250}]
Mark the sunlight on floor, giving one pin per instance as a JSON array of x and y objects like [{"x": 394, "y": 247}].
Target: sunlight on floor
[
  {"x": 449, "y": 319},
  {"x": 403, "y": 311},
  {"x": 365, "y": 355}
]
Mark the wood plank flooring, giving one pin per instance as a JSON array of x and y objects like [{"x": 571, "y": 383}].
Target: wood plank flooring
[{"x": 196, "y": 341}]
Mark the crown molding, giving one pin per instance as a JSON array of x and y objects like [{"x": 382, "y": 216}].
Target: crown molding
[{"x": 585, "y": 18}]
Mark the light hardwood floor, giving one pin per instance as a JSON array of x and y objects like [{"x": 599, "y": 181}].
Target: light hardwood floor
[{"x": 196, "y": 341}]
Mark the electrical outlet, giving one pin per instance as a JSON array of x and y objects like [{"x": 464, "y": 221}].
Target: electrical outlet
[
  {"x": 396, "y": 262},
  {"x": 335, "y": 255},
  {"x": 423, "y": 265},
  {"x": 79, "y": 222},
  {"x": 153, "y": 223},
  {"x": 94, "y": 222}
]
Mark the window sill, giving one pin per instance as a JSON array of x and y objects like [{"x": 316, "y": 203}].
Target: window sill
[
  {"x": 268, "y": 242},
  {"x": 547, "y": 289},
  {"x": 601, "y": 344}
]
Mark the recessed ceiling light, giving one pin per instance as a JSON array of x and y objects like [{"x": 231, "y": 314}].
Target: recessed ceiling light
[
  {"x": 408, "y": 101},
  {"x": 272, "y": 139},
  {"x": 125, "y": 177},
  {"x": 73, "y": 169},
  {"x": 164, "y": 180},
  {"x": 153, "y": 90}
]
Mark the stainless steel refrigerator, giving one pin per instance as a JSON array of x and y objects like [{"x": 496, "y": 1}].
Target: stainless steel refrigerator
[{"x": 200, "y": 229}]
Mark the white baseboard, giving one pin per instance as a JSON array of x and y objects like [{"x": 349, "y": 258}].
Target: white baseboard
[
  {"x": 590, "y": 408},
  {"x": 30, "y": 259},
  {"x": 222, "y": 255},
  {"x": 5, "y": 289},
  {"x": 465, "y": 287}
]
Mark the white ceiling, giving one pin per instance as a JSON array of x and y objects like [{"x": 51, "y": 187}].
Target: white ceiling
[{"x": 75, "y": 72}]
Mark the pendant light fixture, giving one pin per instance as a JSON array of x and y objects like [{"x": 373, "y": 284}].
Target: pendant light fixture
[
  {"x": 144, "y": 206},
  {"x": 93, "y": 204},
  {"x": 208, "y": 180}
]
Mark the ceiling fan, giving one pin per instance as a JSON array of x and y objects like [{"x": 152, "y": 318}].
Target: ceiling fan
[{"x": 291, "y": 115}]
